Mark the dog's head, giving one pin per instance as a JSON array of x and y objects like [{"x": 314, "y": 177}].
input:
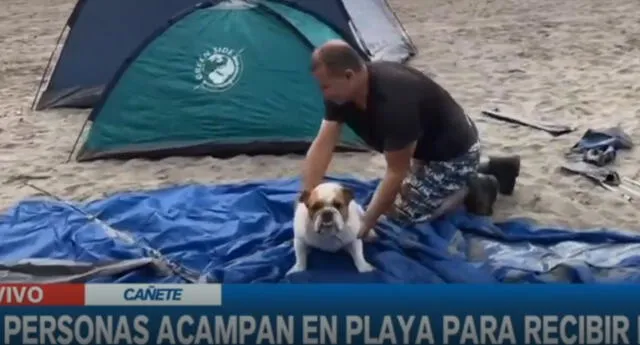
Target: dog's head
[{"x": 328, "y": 206}]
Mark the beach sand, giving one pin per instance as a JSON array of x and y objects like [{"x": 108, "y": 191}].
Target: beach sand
[{"x": 574, "y": 62}]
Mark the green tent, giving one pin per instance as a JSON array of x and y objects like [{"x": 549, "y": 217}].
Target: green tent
[{"x": 220, "y": 80}]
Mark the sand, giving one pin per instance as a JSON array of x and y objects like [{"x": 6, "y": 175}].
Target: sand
[{"x": 575, "y": 62}]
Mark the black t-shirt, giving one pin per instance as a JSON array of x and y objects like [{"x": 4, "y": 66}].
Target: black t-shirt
[{"x": 403, "y": 106}]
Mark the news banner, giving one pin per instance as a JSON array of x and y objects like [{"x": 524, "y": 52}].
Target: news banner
[{"x": 319, "y": 314}]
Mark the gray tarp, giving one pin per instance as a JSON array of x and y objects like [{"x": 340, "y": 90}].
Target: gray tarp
[
  {"x": 379, "y": 30},
  {"x": 42, "y": 271}
]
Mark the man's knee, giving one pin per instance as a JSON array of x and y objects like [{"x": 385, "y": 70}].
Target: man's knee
[{"x": 427, "y": 202}]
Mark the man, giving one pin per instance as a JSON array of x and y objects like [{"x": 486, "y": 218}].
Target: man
[{"x": 429, "y": 143}]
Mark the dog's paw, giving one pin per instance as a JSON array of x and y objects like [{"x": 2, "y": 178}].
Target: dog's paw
[
  {"x": 295, "y": 269},
  {"x": 365, "y": 267}
]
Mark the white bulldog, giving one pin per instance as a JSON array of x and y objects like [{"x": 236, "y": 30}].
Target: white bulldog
[{"x": 328, "y": 218}]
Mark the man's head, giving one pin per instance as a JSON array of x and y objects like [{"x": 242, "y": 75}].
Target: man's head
[{"x": 339, "y": 70}]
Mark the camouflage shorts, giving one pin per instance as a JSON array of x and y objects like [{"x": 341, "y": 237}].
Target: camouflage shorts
[{"x": 430, "y": 184}]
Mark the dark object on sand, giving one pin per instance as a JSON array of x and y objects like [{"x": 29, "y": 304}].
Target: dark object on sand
[
  {"x": 602, "y": 139},
  {"x": 596, "y": 174},
  {"x": 606, "y": 178},
  {"x": 482, "y": 194},
  {"x": 600, "y": 157},
  {"x": 555, "y": 130},
  {"x": 600, "y": 146},
  {"x": 505, "y": 169}
]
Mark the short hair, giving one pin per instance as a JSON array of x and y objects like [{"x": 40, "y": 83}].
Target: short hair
[{"x": 337, "y": 59}]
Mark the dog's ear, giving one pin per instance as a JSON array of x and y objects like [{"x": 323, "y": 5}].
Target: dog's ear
[
  {"x": 304, "y": 197},
  {"x": 348, "y": 195}
]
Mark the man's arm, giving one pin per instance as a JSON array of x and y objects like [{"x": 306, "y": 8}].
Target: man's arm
[
  {"x": 318, "y": 157},
  {"x": 402, "y": 130},
  {"x": 398, "y": 165}
]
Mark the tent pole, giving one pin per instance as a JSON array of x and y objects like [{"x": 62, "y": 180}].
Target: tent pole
[
  {"x": 406, "y": 35},
  {"x": 75, "y": 144},
  {"x": 46, "y": 69}
]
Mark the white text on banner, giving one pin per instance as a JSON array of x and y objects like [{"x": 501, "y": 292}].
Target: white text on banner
[{"x": 153, "y": 294}]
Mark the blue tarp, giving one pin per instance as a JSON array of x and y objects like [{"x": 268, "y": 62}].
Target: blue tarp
[{"x": 241, "y": 233}]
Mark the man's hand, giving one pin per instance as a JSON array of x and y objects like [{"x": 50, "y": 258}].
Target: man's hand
[
  {"x": 398, "y": 164},
  {"x": 382, "y": 200},
  {"x": 366, "y": 234}
]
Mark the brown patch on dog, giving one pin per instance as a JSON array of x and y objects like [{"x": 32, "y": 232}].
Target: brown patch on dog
[
  {"x": 340, "y": 202},
  {"x": 348, "y": 194},
  {"x": 343, "y": 200},
  {"x": 314, "y": 204}
]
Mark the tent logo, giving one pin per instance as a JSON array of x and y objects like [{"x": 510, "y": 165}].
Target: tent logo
[{"x": 219, "y": 69}]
